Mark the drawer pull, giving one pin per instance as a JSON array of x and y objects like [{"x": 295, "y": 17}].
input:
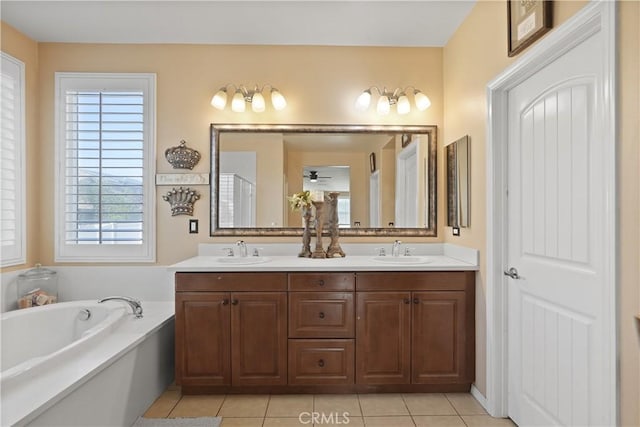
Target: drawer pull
[
  {"x": 321, "y": 363},
  {"x": 320, "y": 282},
  {"x": 234, "y": 302},
  {"x": 407, "y": 301},
  {"x": 321, "y": 315},
  {"x": 416, "y": 301},
  {"x": 225, "y": 301}
]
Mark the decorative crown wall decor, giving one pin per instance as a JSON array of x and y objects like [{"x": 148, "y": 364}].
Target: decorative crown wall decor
[
  {"x": 182, "y": 157},
  {"x": 181, "y": 200}
]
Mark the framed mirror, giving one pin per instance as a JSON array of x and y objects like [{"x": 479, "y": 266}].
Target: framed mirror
[
  {"x": 386, "y": 176},
  {"x": 458, "y": 183}
]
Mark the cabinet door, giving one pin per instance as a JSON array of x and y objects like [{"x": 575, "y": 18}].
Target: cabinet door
[
  {"x": 259, "y": 338},
  {"x": 383, "y": 322},
  {"x": 439, "y": 337},
  {"x": 202, "y": 338}
]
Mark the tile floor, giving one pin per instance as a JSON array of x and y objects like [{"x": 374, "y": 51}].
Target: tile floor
[{"x": 389, "y": 410}]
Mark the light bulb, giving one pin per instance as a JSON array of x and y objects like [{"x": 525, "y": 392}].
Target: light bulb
[
  {"x": 278, "y": 101},
  {"x": 403, "y": 104},
  {"x": 363, "y": 101},
  {"x": 257, "y": 102},
  {"x": 219, "y": 100},
  {"x": 384, "y": 106},
  {"x": 422, "y": 101},
  {"x": 237, "y": 103}
]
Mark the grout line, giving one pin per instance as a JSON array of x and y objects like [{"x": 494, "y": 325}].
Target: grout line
[{"x": 224, "y": 399}]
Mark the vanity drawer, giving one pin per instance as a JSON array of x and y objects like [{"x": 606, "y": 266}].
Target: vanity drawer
[
  {"x": 321, "y": 362},
  {"x": 322, "y": 281},
  {"x": 321, "y": 315},
  {"x": 238, "y": 282}
]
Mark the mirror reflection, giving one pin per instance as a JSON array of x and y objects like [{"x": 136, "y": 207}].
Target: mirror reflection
[
  {"x": 458, "y": 183},
  {"x": 385, "y": 176}
]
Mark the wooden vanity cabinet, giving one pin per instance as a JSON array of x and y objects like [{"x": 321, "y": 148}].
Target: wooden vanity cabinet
[
  {"x": 325, "y": 332},
  {"x": 321, "y": 328},
  {"x": 424, "y": 334},
  {"x": 236, "y": 337}
]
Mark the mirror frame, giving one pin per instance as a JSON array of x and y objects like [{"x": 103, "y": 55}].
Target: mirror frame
[{"x": 430, "y": 231}]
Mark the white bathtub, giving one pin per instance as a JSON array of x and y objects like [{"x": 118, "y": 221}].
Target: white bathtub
[{"x": 60, "y": 370}]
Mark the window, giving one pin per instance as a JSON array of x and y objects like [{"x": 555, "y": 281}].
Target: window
[
  {"x": 12, "y": 162},
  {"x": 105, "y": 160}
]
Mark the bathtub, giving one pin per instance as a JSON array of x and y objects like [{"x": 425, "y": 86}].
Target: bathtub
[{"x": 83, "y": 363}]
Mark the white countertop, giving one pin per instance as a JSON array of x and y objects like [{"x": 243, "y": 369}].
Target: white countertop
[{"x": 349, "y": 263}]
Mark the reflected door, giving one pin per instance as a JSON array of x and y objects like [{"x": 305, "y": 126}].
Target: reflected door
[
  {"x": 374, "y": 199},
  {"x": 407, "y": 187}
]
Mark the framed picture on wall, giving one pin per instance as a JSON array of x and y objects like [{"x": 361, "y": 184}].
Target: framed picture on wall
[{"x": 527, "y": 21}]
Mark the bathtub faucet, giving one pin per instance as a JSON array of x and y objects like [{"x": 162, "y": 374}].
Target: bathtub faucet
[{"x": 134, "y": 303}]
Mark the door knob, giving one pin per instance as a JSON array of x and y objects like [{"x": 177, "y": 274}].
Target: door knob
[{"x": 513, "y": 273}]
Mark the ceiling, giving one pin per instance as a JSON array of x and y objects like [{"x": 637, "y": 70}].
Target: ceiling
[{"x": 328, "y": 22}]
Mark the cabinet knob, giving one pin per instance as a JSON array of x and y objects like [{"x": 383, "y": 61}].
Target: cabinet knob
[
  {"x": 321, "y": 363},
  {"x": 225, "y": 301},
  {"x": 320, "y": 282},
  {"x": 416, "y": 301},
  {"x": 407, "y": 301},
  {"x": 234, "y": 302},
  {"x": 321, "y": 315}
]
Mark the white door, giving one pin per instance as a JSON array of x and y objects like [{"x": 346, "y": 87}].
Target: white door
[
  {"x": 556, "y": 207},
  {"x": 374, "y": 199}
]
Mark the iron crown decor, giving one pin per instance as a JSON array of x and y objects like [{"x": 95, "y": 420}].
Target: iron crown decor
[
  {"x": 181, "y": 200},
  {"x": 182, "y": 157}
]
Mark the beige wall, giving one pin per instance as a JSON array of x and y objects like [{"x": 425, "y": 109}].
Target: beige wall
[
  {"x": 187, "y": 77},
  {"x": 23, "y": 48},
  {"x": 473, "y": 56}
]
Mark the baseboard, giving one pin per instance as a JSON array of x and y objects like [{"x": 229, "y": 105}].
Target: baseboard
[{"x": 479, "y": 397}]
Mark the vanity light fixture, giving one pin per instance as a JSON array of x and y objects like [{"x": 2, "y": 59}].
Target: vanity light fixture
[
  {"x": 397, "y": 97},
  {"x": 243, "y": 96}
]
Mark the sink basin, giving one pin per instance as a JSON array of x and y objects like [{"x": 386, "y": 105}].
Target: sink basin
[
  {"x": 401, "y": 259},
  {"x": 243, "y": 260}
]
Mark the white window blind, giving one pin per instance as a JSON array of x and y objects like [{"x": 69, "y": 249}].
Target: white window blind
[
  {"x": 106, "y": 166},
  {"x": 12, "y": 167}
]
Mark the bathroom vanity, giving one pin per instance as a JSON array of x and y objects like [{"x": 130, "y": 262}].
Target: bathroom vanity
[{"x": 335, "y": 326}]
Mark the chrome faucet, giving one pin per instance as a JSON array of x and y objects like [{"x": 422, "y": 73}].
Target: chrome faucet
[
  {"x": 242, "y": 247},
  {"x": 395, "y": 249},
  {"x": 134, "y": 303}
]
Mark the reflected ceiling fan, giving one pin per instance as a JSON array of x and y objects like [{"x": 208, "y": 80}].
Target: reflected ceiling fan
[{"x": 313, "y": 176}]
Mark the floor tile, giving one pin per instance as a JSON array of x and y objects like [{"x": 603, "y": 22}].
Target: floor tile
[
  {"x": 164, "y": 404},
  {"x": 242, "y": 422},
  {"x": 465, "y": 404},
  {"x": 343, "y": 422},
  {"x": 382, "y": 404},
  {"x": 438, "y": 421},
  {"x": 389, "y": 421},
  {"x": 337, "y": 403},
  {"x": 285, "y": 422},
  {"x": 486, "y": 421},
  {"x": 289, "y": 405},
  {"x": 244, "y": 406},
  {"x": 197, "y": 406},
  {"x": 428, "y": 404}
]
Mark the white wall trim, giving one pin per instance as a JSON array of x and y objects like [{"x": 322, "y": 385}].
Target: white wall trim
[
  {"x": 593, "y": 18},
  {"x": 479, "y": 396}
]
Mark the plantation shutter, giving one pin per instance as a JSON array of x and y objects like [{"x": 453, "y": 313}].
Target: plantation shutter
[
  {"x": 104, "y": 192},
  {"x": 12, "y": 146}
]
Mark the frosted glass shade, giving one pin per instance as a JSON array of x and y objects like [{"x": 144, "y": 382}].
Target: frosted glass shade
[
  {"x": 278, "y": 101},
  {"x": 237, "y": 103},
  {"x": 383, "y": 106},
  {"x": 257, "y": 102},
  {"x": 422, "y": 101},
  {"x": 403, "y": 105},
  {"x": 219, "y": 100},
  {"x": 363, "y": 101}
]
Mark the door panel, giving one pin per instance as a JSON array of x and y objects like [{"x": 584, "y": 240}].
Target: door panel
[
  {"x": 438, "y": 337},
  {"x": 203, "y": 354},
  {"x": 556, "y": 205},
  {"x": 383, "y": 325},
  {"x": 259, "y": 338}
]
